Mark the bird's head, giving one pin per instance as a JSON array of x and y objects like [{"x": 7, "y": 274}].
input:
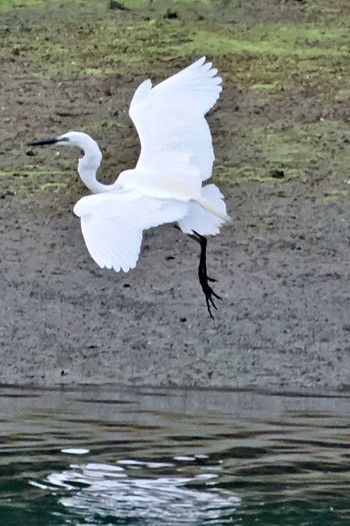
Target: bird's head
[
  {"x": 72, "y": 138},
  {"x": 92, "y": 156}
]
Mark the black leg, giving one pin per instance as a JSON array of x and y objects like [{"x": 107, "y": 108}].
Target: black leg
[{"x": 202, "y": 273}]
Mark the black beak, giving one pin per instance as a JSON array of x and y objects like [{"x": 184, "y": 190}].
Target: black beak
[{"x": 42, "y": 143}]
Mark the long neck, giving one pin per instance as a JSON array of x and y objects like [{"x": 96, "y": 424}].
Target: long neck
[{"x": 88, "y": 166}]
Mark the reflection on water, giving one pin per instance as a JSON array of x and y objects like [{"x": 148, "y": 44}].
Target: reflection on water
[
  {"x": 159, "y": 499},
  {"x": 163, "y": 457}
]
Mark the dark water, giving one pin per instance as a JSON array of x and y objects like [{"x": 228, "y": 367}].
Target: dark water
[{"x": 171, "y": 457}]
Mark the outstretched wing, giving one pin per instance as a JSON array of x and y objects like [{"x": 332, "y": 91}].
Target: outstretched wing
[
  {"x": 113, "y": 223},
  {"x": 170, "y": 116}
]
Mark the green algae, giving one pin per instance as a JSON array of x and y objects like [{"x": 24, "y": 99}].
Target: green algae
[
  {"x": 297, "y": 151},
  {"x": 229, "y": 176},
  {"x": 9, "y": 5},
  {"x": 50, "y": 186},
  {"x": 25, "y": 180},
  {"x": 132, "y": 4},
  {"x": 27, "y": 172},
  {"x": 276, "y": 56},
  {"x": 281, "y": 40},
  {"x": 259, "y": 56},
  {"x": 334, "y": 195}
]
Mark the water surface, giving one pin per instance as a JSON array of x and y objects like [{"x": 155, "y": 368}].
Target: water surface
[{"x": 171, "y": 457}]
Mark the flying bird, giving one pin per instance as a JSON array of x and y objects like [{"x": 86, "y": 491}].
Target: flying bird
[{"x": 166, "y": 184}]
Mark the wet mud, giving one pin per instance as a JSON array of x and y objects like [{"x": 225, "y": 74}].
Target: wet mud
[{"x": 281, "y": 136}]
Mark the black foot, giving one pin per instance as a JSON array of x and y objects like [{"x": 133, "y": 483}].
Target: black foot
[{"x": 204, "y": 279}]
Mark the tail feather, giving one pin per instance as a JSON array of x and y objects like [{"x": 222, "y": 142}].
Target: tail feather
[{"x": 206, "y": 214}]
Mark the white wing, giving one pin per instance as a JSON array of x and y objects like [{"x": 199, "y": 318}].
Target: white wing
[
  {"x": 170, "y": 116},
  {"x": 113, "y": 223}
]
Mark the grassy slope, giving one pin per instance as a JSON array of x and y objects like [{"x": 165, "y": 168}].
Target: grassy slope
[{"x": 302, "y": 54}]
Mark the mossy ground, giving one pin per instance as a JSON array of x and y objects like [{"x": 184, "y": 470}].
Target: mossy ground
[{"x": 270, "y": 64}]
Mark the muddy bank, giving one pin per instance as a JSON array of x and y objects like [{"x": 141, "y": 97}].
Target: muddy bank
[{"x": 281, "y": 138}]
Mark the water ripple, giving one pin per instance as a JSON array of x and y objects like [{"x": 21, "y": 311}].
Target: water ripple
[
  {"x": 99, "y": 490},
  {"x": 162, "y": 458}
]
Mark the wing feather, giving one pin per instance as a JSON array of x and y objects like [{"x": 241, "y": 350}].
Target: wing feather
[
  {"x": 113, "y": 223},
  {"x": 170, "y": 116}
]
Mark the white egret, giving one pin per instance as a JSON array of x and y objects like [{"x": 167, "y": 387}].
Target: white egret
[{"x": 166, "y": 184}]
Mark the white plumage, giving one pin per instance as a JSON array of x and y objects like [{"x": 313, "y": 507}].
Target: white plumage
[
  {"x": 166, "y": 184},
  {"x": 170, "y": 116},
  {"x": 113, "y": 223}
]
